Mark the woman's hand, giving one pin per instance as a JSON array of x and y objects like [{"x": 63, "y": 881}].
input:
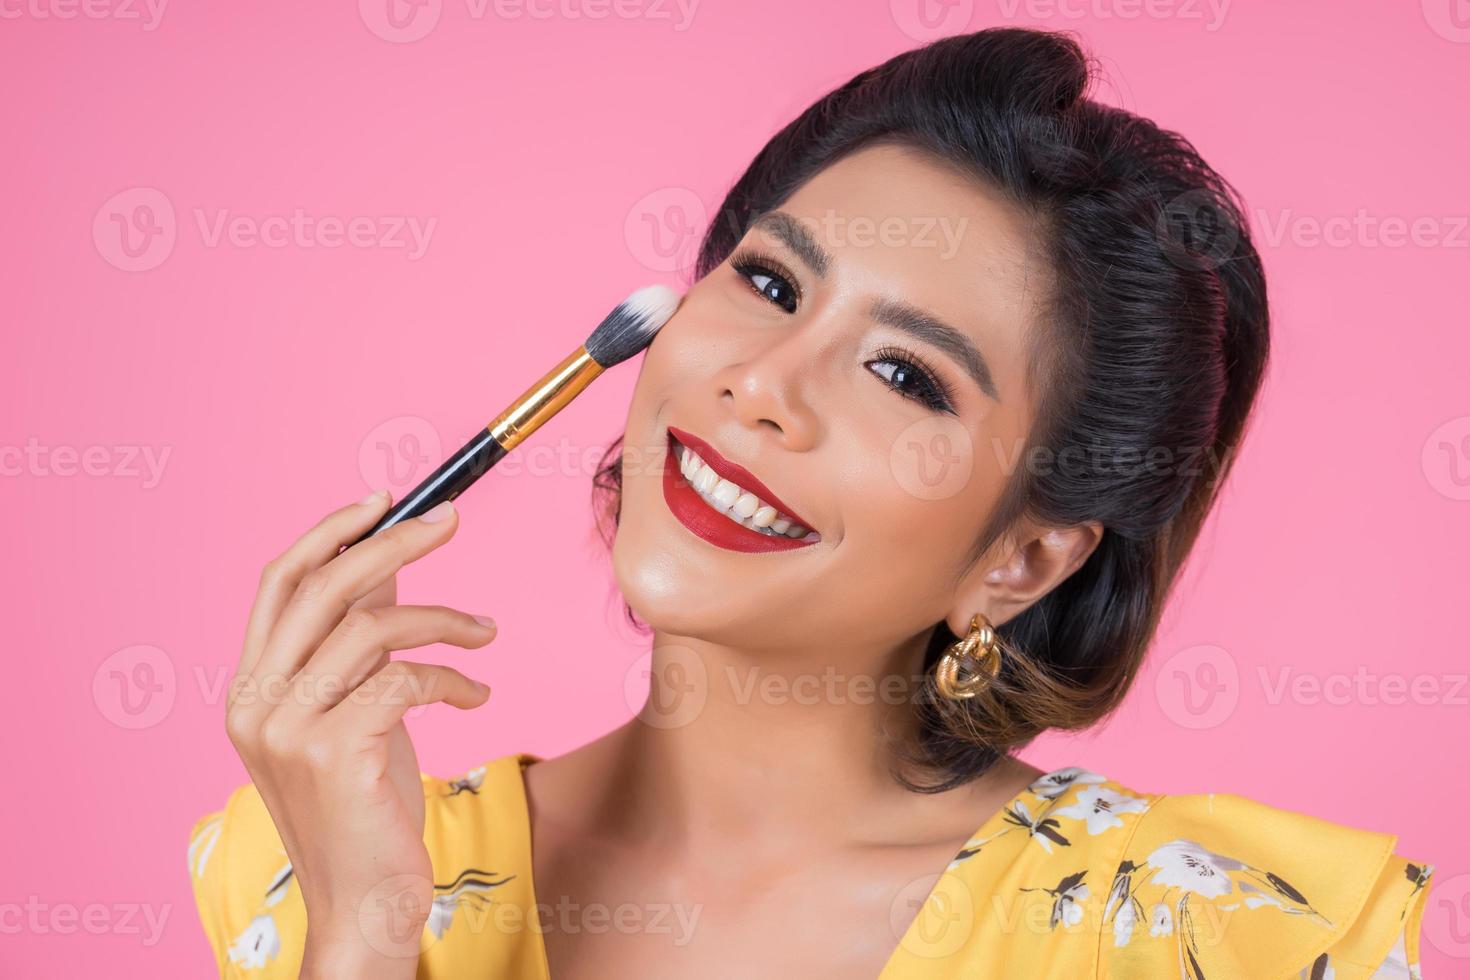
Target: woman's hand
[{"x": 316, "y": 713}]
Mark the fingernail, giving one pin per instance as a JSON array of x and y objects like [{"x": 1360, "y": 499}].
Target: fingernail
[
  {"x": 437, "y": 513},
  {"x": 486, "y": 622},
  {"x": 483, "y": 686},
  {"x": 373, "y": 497}
]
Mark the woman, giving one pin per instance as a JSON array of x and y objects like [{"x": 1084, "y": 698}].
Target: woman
[{"x": 904, "y": 483}]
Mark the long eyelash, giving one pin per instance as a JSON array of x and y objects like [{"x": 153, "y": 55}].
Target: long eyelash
[
  {"x": 748, "y": 257},
  {"x": 945, "y": 391}
]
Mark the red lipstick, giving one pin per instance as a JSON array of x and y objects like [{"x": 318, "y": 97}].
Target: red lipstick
[{"x": 707, "y": 523}]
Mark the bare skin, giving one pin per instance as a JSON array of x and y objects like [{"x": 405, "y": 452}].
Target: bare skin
[{"x": 766, "y": 828}]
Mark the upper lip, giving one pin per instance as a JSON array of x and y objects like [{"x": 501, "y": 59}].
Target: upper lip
[{"x": 738, "y": 475}]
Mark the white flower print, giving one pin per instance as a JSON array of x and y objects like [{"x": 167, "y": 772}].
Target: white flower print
[
  {"x": 202, "y": 846},
  {"x": 1187, "y": 865},
  {"x": 1100, "y": 807},
  {"x": 471, "y": 888},
  {"x": 1160, "y": 921},
  {"x": 257, "y": 945},
  {"x": 469, "y": 783},
  {"x": 1067, "y": 898},
  {"x": 1054, "y": 784},
  {"x": 1123, "y": 924}
]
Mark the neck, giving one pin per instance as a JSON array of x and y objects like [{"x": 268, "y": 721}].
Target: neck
[{"x": 762, "y": 748}]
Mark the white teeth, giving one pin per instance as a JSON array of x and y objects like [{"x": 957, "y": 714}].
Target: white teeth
[
  {"x": 725, "y": 494},
  {"x": 736, "y": 503},
  {"x": 745, "y": 505}
]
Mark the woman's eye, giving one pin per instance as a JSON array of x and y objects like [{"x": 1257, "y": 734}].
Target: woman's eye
[
  {"x": 912, "y": 381},
  {"x": 770, "y": 284}
]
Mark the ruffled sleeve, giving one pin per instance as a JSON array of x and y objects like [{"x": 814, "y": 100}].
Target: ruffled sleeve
[
  {"x": 483, "y": 921},
  {"x": 248, "y": 902},
  {"x": 1216, "y": 886}
]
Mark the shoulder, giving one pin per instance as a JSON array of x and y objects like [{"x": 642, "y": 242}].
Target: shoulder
[
  {"x": 475, "y": 827},
  {"x": 1084, "y": 874},
  {"x": 1225, "y": 885}
]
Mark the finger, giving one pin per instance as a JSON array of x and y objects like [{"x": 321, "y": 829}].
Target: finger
[
  {"x": 358, "y": 646},
  {"x": 381, "y": 701},
  {"x": 324, "y": 595},
  {"x": 281, "y": 575}
]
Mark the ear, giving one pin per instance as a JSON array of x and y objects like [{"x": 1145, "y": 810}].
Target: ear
[{"x": 1023, "y": 566}]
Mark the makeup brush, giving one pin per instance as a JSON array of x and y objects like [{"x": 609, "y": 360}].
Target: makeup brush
[{"x": 624, "y": 332}]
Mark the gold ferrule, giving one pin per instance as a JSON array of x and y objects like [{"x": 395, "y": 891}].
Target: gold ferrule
[{"x": 544, "y": 399}]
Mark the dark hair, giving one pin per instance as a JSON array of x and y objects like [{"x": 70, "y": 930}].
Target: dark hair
[{"x": 1153, "y": 348}]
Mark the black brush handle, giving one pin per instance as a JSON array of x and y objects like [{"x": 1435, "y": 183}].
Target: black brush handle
[{"x": 445, "y": 483}]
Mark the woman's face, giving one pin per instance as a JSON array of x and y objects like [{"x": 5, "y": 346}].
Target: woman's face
[{"x": 862, "y": 354}]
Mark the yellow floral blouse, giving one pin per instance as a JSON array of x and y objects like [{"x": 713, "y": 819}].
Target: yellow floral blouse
[{"x": 1077, "y": 877}]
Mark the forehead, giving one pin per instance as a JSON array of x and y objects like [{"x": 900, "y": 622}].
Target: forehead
[{"x": 900, "y": 223}]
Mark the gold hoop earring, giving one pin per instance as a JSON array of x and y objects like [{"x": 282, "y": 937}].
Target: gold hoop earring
[{"x": 970, "y": 664}]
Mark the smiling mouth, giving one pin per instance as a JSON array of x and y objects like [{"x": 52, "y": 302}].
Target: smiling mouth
[{"x": 725, "y": 504}]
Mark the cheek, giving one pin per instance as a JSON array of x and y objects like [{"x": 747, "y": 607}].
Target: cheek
[{"x": 921, "y": 496}]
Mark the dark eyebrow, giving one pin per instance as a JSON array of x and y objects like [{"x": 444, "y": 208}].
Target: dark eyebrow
[
  {"x": 795, "y": 237},
  {"x": 932, "y": 330}
]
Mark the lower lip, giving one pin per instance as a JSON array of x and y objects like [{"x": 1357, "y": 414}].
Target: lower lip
[{"x": 705, "y": 522}]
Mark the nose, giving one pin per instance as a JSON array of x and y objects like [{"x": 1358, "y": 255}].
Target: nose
[{"x": 771, "y": 390}]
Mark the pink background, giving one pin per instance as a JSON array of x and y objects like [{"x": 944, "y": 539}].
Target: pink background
[{"x": 281, "y": 378}]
